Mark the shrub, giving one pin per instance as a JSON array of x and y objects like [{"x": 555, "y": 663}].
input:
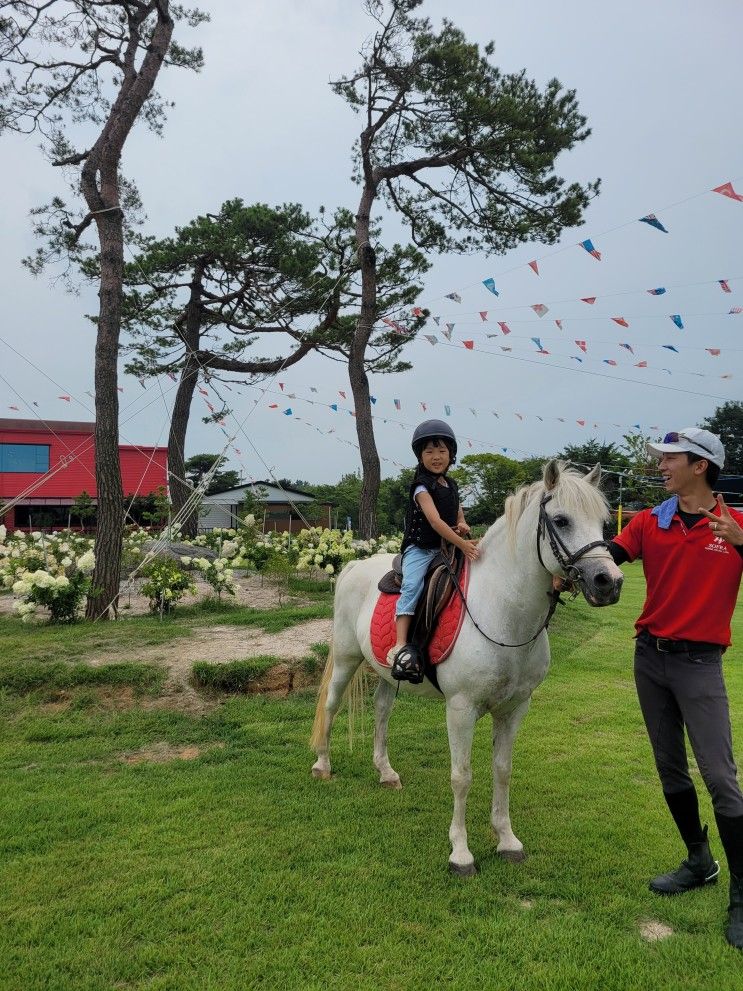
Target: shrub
[
  {"x": 166, "y": 583},
  {"x": 233, "y": 677}
]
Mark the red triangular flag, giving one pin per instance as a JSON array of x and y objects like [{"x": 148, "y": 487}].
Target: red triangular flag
[
  {"x": 469, "y": 344},
  {"x": 621, "y": 321},
  {"x": 727, "y": 190},
  {"x": 641, "y": 364},
  {"x": 581, "y": 423},
  {"x": 588, "y": 299},
  {"x": 559, "y": 323},
  {"x": 713, "y": 351},
  {"x": 581, "y": 345},
  {"x": 483, "y": 314},
  {"x": 66, "y": 398},
  {"x": 341, "y": 393},
  {"x": 14, "y": 407},
  {"x": 534, "y": 267},
  {"x": 281, "y": 386},
  {"x": 273, "y": 405},
  {"x": 504, "y": 327},
  {"x": 203, "y": 391}
]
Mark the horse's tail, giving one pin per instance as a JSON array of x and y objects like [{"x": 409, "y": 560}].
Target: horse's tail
[
  {"x": 319, "y": 726},
  {"x": 354, "y": 695}
]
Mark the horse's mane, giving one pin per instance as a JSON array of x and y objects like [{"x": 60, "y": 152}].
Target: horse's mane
[{"x": 572, "y": 492}]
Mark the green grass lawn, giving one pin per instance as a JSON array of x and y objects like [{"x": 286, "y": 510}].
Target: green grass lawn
[{"x": 238, "y": 871}]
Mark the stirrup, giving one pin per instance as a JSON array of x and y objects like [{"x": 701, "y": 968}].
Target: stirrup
[{"x": 408, "y": 664}]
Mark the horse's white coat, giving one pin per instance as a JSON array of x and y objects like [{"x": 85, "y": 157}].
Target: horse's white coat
[{"x": 509, "y": 598}]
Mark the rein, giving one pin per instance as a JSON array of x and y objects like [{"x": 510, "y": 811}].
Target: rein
[{"x": 565, "y": 559}]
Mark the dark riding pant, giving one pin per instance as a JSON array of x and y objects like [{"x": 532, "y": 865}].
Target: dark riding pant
[{"x": 685, "y": 689}]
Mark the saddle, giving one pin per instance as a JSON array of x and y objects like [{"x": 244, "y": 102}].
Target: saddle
[{"x": 437, "y": 592}]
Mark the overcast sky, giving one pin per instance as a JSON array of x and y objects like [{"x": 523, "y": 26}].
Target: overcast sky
[{"x": 661, "y": 86}]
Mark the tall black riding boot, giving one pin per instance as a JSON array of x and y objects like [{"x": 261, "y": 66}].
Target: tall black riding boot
[
  {"x": 697, "y": 870},
  {"x": 734, "y": 931}
]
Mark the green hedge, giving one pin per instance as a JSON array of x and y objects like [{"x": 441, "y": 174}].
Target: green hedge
[
  {"x": 235, "y": 676},
  {"x": 28, "y": 676}
]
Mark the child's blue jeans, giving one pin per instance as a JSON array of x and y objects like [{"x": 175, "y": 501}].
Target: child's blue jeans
[{"x": 415, "y": 561}]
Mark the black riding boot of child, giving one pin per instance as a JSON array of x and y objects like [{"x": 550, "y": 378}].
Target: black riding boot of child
[
  {"x": 409, "y": 664},
  {"x": 698, "y": 869}
]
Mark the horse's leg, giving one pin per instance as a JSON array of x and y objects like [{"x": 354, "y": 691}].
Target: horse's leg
[
  {"x": 460, "y": 722},
  {"x": 505, "y": 727},
  {"x": 383, "y": 701},
  {"x": 338, "y": 674}
]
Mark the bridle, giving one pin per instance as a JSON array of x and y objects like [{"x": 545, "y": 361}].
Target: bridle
[{"x": 564, "y": 558}]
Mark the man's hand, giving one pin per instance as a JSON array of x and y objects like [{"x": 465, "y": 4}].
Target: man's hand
[
  {"x": 724, "y": 525},
  {"x": 471, "y": 550},
  {"x": 462, "y": 529}
]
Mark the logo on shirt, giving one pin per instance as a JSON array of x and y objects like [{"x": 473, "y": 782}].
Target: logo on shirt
[{"x": 718, "y": 544}]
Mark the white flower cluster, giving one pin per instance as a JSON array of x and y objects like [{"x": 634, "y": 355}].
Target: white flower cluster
[
  {"x": 216, "y": 573},
  {"x": 48, "y": 570}
]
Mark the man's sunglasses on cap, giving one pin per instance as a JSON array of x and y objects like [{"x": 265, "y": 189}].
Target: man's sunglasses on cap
[{"x": 674, "y": 437}]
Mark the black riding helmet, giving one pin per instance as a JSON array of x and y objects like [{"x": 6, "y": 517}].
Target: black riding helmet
[{"x": 434, "y": 430}]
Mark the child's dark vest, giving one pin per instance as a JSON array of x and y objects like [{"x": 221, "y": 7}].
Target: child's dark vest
[{"x": 418, "y": 530}]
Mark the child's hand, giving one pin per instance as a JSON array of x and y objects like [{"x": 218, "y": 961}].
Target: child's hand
[{"x": 471, "y": 550}]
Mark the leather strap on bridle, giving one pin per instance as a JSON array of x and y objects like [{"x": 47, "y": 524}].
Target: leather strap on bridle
[{"x": 564, "y": 558}]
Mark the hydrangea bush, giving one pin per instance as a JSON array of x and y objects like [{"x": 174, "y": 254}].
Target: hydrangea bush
[
  {"x": 52, "y": 571},
  {"x": 165, "y": 584}
]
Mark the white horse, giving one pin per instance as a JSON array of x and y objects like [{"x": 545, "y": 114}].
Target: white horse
[{"x": 551, "y": 528}]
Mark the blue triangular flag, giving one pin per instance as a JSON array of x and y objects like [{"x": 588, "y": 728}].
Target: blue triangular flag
[
  {"x": 670, "y": 347},
  {"x": 657, "y": 292},
  {"x": 447, "y": 410},
  {"x": 653, "y": 221},
  {"x": 677, "y": 320},
  {"x": 538, "y": 343},
  {"x": 288, "y": 412},
  {"x": 490, "y": 285},
  {"x": 373, "y": 399},
  {"x": 334, "y": 406}
]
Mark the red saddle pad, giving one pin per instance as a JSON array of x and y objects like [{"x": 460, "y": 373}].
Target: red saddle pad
[{"x": 448, "y": 625}]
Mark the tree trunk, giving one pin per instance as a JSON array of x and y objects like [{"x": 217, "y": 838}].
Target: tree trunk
[
  {"x": 357, "y": 372},
  {"x": 190, "y": 334},
  {"x": 106, "y": 576},
  {"x": 100, "y": 185},
  {"x": 180, "y": 491}
]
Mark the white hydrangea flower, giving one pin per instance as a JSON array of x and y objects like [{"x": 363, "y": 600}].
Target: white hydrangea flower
[
  {"x": 330, "y": 569},
  {"x": 86, "y": 562}
]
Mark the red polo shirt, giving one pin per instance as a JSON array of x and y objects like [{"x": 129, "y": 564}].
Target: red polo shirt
[{"x": 692, "y": 577}]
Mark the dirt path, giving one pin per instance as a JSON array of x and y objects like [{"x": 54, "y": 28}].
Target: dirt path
[{"x": 217, "y": 644}]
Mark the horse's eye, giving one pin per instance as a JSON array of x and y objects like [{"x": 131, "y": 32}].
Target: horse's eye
[{"x": 561, "y": 522}]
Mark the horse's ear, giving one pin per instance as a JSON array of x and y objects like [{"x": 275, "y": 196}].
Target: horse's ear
[
  {"x": 551, "y": 474},
  {"x": 594, "y": 475}
]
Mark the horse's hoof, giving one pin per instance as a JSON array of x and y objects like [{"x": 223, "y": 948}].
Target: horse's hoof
[
  {"x": 395, "y": 784},
  {"x": 462, "y": 870},
  {"x": 320, "y": 774},
  {"x": 512, "y": 856}
]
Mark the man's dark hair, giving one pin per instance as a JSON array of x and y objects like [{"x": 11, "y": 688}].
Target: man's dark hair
[{"x": 713, "y": 470}]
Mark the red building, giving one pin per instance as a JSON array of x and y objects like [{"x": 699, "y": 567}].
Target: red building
[{"x": 48, "y": 464}]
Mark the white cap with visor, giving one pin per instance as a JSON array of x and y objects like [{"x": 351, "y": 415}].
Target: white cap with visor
[{"x": 691, "y": 440}]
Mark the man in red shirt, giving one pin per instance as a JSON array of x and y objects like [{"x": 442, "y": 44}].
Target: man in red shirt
[{"x": 692, "y": 555}]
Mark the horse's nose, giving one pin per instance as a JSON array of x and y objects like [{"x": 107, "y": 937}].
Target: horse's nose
[
  {"x": 608, "y": 586},
  {"x": 603, "y": 580}
]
